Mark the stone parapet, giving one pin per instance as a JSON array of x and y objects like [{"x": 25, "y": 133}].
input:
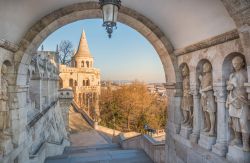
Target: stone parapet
[{"x": 65, "y": 99}]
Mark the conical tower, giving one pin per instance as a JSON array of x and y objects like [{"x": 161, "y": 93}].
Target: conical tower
[{"x": 82, "y": 57}]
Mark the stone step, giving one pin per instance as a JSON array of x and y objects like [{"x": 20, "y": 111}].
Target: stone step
[
  {"x": 84, "y": 149},
  {"x": 121, "y": 156}
]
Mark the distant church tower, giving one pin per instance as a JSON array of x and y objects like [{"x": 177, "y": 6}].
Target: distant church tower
[{"x": 83, "y": 78}]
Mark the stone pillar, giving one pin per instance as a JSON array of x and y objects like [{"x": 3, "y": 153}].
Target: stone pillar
[
  {"x": 173, "y": 126},
  {"x": 196, "y": 116},
  {"x": 174, "y": 112},
  {"x": 65, "y": 98},
  {"x": 36, "y": 89},
  {"x": 57, "y": 87},
  {"x": 44, "y": 91},
  {"x": 220, "y": 147}
]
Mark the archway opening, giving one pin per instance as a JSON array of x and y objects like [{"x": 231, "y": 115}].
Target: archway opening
[{"x": 47, "y": 25}]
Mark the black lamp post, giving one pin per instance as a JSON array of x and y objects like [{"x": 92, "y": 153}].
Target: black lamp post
[{"x": 110, "y": 10}]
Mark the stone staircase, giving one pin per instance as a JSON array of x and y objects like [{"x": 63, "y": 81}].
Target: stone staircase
[
  {"x": 104, "y": 153},
  {"x": 91, "y": 146}
]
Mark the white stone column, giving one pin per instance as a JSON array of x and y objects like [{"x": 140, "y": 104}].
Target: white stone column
[
  {"x": 220, "y": 147},
  {"x": 65, "y": 99},
  {"x": 196, "y": 116},
  {"x": 173, "y": 126},
  {"x": 36, "y": 89},
  {"x": 174, "y": 112}
]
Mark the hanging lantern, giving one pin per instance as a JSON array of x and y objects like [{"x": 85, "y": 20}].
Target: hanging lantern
[{"x": 110, "y": 10}]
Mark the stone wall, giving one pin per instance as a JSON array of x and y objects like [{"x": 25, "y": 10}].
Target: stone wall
[
  {"x": 155, "y": 150},
  {"x": 33, "y": 124},
  {"x": 190, "y": 143}
]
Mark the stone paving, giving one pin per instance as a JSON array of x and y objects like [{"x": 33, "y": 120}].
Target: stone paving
[
  {"x": 87, "y": 138},
  {"x": 90, "y": 146}
]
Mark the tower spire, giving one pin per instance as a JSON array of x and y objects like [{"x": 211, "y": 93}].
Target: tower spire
[{"x": 83, "y": 48}]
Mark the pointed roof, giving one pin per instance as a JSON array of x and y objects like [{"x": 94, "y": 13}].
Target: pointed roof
[{"x": 83, "y": 48}]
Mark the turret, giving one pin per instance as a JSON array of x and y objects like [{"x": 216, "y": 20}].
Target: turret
[{"x": 82, "y": 58}]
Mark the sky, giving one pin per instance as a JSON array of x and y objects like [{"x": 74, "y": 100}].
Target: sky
[{"x": 126, "y": 56}]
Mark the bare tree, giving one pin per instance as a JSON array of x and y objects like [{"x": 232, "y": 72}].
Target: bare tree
[{"x": 65, "y": 51}]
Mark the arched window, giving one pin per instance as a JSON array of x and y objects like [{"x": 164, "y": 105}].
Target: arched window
[
  {"x": 87, "y": 63},
  {"x": 75, "y": 64},
  {"x": 83, "y": 83},
  {"x": 82, "y": 63},
  {"x": 60, "y": 83},
  {"x": 88, "y": 83},
  {"x": 80, "y": 99},
  {"x": 71, "y": 83},
  {"x": 75, "y": 83},
  {"x": 84, "y": 98}
]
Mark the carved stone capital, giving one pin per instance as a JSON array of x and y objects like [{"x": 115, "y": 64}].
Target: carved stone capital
[
  {"x": 194, "y": 90},
  {"x": 220, "y": 93},
  {"x": 173, "y": 89}
]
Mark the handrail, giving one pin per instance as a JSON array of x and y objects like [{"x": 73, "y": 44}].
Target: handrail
[
  {"x": 155, "y": 150},
  {"x": 35, "y": 154},
  {"x": 85, "y": 115},
  {"x": 40, "y": 115}
]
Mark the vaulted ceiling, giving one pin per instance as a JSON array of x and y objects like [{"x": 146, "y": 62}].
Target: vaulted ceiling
[{"x": 184, "y": 22}]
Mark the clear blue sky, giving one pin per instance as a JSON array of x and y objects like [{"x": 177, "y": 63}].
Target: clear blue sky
[{"x": 126, "y": 56}]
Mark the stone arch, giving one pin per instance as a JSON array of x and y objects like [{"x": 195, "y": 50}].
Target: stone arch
[
  {"x": 227, "y": 67},
  {"x": 82, "y": 64},
  {"x": 87, "y": 10},
  {"x": 87, "y": 82},
  {"x": 60, "y": 83},
  {"x": 87, "y": 64},
  {"x": 48, "y": 24},
  {"x": 71, "y": 83},
  {"x": 199, "y": 69}
]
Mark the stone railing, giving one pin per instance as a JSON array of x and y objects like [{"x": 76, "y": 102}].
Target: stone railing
[
  {"x": 159, "y": 133},
  {"x": 66, "y": 69},
  {"x": 155, "y": 150},
  {"x": 86, "y": 88},
  {"x": 47, "y": 149},
  {"x": 38, "y": 116},
  {"x": 85, "y": 115},
  {"x": 106, "y": 130}
]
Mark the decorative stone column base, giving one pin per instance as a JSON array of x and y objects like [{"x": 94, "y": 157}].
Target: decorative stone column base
[
  {"x": 182, "y": 140},
  {"x": 220, "y": 149},
  {"x": 185, "y": 132},
  {"x": 237, "y": 155},
  {"x": 173, "y": 128},
  {"x": 194, "y": 137},
  {"x": 207, "y": 141}
]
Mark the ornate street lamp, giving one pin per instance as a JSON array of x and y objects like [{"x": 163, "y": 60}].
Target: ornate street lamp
[{"x": 110, "y": 10}]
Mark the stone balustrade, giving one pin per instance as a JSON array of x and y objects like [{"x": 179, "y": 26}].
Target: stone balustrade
[{"x": 154, "y": 149}]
